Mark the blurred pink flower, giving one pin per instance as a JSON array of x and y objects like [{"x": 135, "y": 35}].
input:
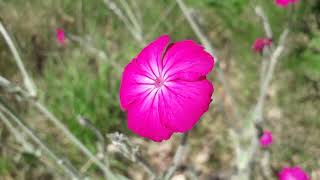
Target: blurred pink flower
[
  {"x": 260, "y": 44},
  {"x": 60, "y": 36},
  {"x": 285, "y": 3},
  {"x": 293, "y": 173},
  {"x": 164, "y": 89},
  {"x": 266, "y": 139}
]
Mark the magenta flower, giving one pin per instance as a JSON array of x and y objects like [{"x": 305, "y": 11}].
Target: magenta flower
[
  {"x": 293, "y": 173},
  {"x": 266, "y": 139},
  {"x": 164, "y": 89},
  {"x": 260, "y": 44},
  {"x": 285, "y": 3},
  {"x": 60, "y": 36}
]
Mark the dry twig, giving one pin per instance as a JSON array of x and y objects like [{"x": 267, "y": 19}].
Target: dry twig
[{"x": 28, "y": 82}]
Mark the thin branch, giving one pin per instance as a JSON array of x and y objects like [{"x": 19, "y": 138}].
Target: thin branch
[
  {"x": 86, "y": 166},
  {"x": 86, "y": 123},
  {"x": 100, "y": 54},
  {"x": 137, "y": 10},
  {"x": 265, "y": 165},
  {"x": 9, "y": 87},
  {"x": 206, "y": 43},
  {"x": 4, "y": 82},
  {"x": 131, "y": 15},
  {"x": 192, "y": 173},
  {"x": 59, "y": 161},
  {"x": 245, "y": 147},
  {"x": 195, "y": 27},
  {"x": 245, "y": 154},
  {"x": 246, "y": 143},
  {"x": 179, "y": 155},
  {"x": 134, "y": 32},
  {"x": 101, "y": 143},
  {"x": 131, "y": 152},
  {"x": 267, "y": 50},
  {"x": 75, "y": 140},
  {"x": 264, "y": 67},
  {"x": 267, "y": 28},
  {"x": 64, "y": 129},
  {"x": 269, "y": 74},
  {"x": 28, "y": 82},
  {"x": 17, "y": 134},
  {"x": 163, "y": 19}
]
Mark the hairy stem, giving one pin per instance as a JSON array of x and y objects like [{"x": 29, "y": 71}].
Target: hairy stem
[{"x": 178, "y": 156}]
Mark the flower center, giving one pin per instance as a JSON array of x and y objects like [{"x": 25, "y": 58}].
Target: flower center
[{"x": 159, "y": 82}]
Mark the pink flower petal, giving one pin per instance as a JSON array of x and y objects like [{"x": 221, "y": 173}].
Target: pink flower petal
[
  {"x": 142, "y": 71},
  {"x": 182, "y": 103},
  {"x": 134, "y": 82},
  {"x": 164, "y": 89},
  {"x": 282, "y": 3},
  {"x": 144, "y": 118},
  {"x": 186, "y": 60},
  {"x": 150, "y": 58},
  {"x": 285, "y": 3},
  {"x": 293, "y": 173}
]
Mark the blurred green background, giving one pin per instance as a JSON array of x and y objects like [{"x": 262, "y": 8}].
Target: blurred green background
[{"x": 82, "y": 78}]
